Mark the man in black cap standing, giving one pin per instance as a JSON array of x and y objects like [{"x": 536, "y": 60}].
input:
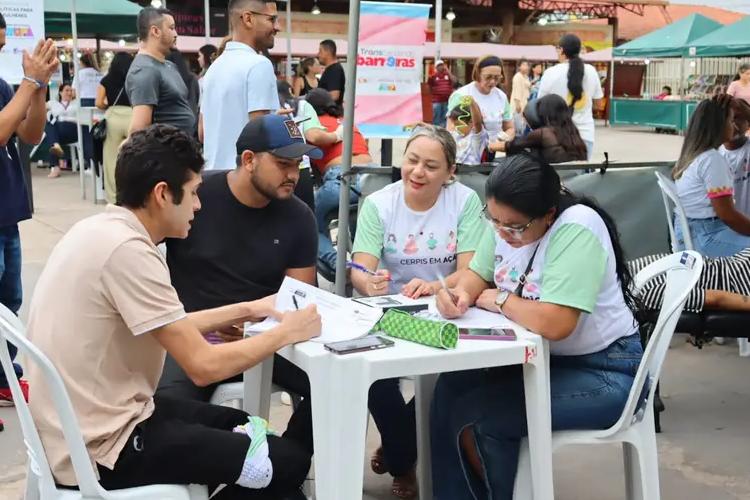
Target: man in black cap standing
[{"x": 250, "y": 233}]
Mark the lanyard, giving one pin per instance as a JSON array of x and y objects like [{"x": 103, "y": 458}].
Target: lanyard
[{"x": 522, "y": 279}]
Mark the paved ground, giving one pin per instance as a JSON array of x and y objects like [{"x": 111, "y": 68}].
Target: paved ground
[{"x": 704, "y": 449}]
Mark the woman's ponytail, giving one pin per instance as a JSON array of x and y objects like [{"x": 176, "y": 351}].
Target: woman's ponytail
[{"x": 571, "y": 46}]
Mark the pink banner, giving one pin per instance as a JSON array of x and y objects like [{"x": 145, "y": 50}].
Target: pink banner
[{"x": 389, "y": 67}]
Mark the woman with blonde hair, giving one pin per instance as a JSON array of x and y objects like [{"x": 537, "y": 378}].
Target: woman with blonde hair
[
  {"x": 413, "y": 231},
  {"x": 306, "y": 79}
]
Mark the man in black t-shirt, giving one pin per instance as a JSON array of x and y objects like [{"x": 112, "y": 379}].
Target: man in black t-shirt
[
  {"x": 250, "y": 232},
  {"x": 333, "y": 79}
]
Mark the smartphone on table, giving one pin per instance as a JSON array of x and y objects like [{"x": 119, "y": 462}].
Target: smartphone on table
[
  {"x": 487, "y": 333},
  {"x": 368, "y": 343}
]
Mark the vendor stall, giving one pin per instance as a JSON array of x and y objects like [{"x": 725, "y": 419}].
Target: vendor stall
[
  {"x": 731, "y": 40},
  {"x": 666, "y": 112}
]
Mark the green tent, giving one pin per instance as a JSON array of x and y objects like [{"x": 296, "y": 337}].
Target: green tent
[
  {"x": 731, "y": 40},
  {"x": 670, "y": 41},
  {"x": 96, "y": 18}
]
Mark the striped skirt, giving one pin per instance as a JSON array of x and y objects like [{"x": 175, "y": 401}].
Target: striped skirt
[{"x": 728, "y": 274}]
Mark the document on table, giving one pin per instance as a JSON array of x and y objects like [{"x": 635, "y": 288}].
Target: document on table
[
  {"x": 343, "y": 319},
  {"x": 475, "y": 317}
]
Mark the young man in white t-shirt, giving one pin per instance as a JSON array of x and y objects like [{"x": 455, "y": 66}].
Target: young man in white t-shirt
[
  {"x": 241, "y": 83},
  {"x": 737, "y": 153},
  {"x": 556, "y": 81}
]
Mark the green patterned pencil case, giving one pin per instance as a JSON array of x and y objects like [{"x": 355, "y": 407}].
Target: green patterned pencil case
[{"x": 404, "y": 326}]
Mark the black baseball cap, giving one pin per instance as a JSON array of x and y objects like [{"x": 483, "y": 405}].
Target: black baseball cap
[{"x": 278, "y": 135}]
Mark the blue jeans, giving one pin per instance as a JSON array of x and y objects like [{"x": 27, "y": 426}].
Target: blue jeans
[
  {"x": 397, "y": 425},
  {"x": 589, "y": 149},
  {"x": 11, "y": 292},
  {"x": 327, "y": 201},
  {"x": 439, "y": 113},
  {"x": 587, "y": 392},
  {"x": 61, "y": 132},
  {"x": 712, "y": 237}
]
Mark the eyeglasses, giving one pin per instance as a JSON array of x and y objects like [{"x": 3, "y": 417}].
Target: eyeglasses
[
  {"x": 492, "y": 77},
  {"x": 273, "y": 18},
  {"x": 513, "y": 231}
]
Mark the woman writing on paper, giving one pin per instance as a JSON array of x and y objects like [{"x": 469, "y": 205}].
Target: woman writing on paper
[
  {"x": 552, "y": 262},
  {"x": 416, "y": 229}
]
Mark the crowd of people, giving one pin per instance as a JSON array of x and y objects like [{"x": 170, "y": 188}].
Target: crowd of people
[{"x": 221, "y": 166}]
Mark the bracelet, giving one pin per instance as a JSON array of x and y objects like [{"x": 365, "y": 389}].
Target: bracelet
[{"x": 39, "y": 84}]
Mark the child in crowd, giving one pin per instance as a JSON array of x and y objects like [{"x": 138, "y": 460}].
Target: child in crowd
[
  {"x": 554, "y": 137},
  {"x": 467, "y": 128},
  {"x": 737, "y": 153}
]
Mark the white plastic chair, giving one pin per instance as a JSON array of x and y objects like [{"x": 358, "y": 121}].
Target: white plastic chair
[
  {"x": 635, "y": 427},
  {"x": 40, "y": 483},
  {"x": 674, "y": 209}
]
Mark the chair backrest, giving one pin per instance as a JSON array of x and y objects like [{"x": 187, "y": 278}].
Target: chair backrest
[
  {"x": 12, "y": 330},
  {"x": 683, "y": 270},
  {"x": 674, "y": 208},
  {"x": 633, "y": 200}
]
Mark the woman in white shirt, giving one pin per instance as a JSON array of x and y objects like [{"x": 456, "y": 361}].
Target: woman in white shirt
[
  {"x": 577, "y": 83},
  {"x": 493, "y": 103},
  {"x": 705, "y": 183},
  {"x": 551, "y": 262},
  {"x": 415, "y": 230},
  {"x": 87, "y": 81},
  {"x": 60, "y": 128}
]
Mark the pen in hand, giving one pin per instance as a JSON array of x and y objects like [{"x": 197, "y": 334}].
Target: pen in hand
[
  {"x": 443, "y": 284},
  {"x": 360, "y": 267},
  {"x": 294, "y": 299}
]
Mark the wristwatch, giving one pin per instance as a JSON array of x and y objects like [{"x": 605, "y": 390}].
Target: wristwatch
[{"x": 501, "y": 299}]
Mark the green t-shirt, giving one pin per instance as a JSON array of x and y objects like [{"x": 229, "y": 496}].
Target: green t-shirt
[
  {"x": 574, "y": 266},
  {"x": 414, "y": 244}
]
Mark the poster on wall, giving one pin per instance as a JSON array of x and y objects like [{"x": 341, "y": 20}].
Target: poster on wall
[
  {"x": 389, "y": 67},
  {"x": 25, "y": 26}
]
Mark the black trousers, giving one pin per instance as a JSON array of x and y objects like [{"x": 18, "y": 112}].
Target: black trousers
[
  {"x": 396, "y": 421},
  {"x": 187, "y": 442},
  {"x": 175, "y": 384}
]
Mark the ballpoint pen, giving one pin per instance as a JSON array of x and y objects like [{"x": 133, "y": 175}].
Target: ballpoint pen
[
  {"x": 441, "y": 279},
  {"x": 360, "y": 267},
  {"x": 294, "y": 299}
]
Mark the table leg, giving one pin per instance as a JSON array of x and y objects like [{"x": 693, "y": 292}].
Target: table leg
[
  {"x": 339, "y": 390},
  {"x": 257, "y": 389},
  {"x": 424, "y": 387},
  {"x": 539, "y": 421}
]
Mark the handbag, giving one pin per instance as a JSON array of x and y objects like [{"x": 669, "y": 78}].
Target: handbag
[{"x": 99, "y": 129}]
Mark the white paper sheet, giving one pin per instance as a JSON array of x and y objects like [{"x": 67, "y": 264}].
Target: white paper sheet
[
  {"x": 343, "y": 319},
  {"x": 393, "y": 300},
  {"x": 475, "y": 317}
]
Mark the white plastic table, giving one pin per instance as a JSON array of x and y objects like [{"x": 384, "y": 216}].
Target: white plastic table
[{"x": 340, "y": 384}]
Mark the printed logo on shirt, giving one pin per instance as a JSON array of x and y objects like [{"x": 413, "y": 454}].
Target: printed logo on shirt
[{"x": 293, "y": 129}]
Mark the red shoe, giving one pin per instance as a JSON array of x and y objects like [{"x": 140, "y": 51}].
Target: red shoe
[{"x": 6, "y": 398}]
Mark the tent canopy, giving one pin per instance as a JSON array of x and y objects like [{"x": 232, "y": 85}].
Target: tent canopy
[
  {"x": 671, "y": 40},
  {"x": 731, "y": 40},
  {"x": 96, "y": 18}
]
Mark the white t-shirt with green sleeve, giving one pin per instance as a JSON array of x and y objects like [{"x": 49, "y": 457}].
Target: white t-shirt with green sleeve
[
  {"x": 413, "y": 244},
  {"x": 574, "y": 266},
  {"x": 308, "y": 120}
]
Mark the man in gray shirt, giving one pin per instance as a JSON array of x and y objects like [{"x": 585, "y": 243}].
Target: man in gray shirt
[{"x": 154, "y": 86}]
